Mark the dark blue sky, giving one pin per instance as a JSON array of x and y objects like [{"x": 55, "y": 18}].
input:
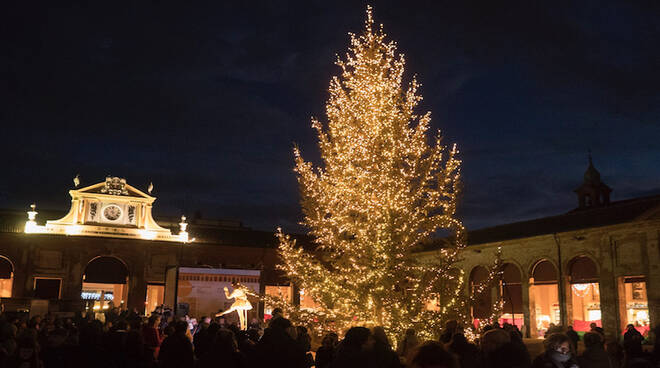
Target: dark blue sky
[{"x": 207, "y": 100}]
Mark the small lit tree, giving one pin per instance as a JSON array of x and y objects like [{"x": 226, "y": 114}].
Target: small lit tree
[{"x": 383, "y": 189}]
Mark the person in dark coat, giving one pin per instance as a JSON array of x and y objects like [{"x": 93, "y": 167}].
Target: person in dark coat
[
  {"x": 326, "y": 352},
  {"x": 635, "y": 355},
  {"x": 176, "y": 351},
  {"x": 557, "y": 353},
  {"x": 116, "y": 343},
  {"x": 432, "y": 354},
  {"x": 383, "y": 355},
  {"x": 223, "y": 352},
  {"x": 631, "y": 336},
  {"x": 278, "y": 347},
  {"x": 468, "y": 354},
  {"x": 451, "y": 327},
  {"x": 203, "y": 340},
  {"x": 594, "y": 355},
  {"x": 355, "y": 351},
  {"x": 305, "y": 342},
  {"x": 501, "y": 348},
  {"x": 55, "y": 352}
]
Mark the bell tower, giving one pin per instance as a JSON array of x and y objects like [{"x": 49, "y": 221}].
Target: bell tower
[{"x": 593, "y": 192}]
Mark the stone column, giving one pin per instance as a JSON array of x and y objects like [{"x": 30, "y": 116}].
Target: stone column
[
  {"x": 526, "y": 307},
  {"x": 72, "y": 285},
  {"x": 609, "y": 299},
  {"x": 565, "y": 303},
  {"x": 137, "y": 286},
  {"x": 653, "y": 275}
]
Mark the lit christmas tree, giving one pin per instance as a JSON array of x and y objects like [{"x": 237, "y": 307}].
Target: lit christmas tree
[{"x": 384, "y": 188}]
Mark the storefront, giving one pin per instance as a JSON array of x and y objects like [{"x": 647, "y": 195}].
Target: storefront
[
  {"x": 544, "y": 298},
  {"x": 584, "y": 294}
]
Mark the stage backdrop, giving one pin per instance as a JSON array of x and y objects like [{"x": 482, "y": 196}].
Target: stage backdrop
[{"x": 202, "y": 290}]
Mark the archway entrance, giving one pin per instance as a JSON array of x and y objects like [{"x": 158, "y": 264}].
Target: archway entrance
[
  {"x": 481, "y": 307},
  {"x": 585, "y": 293},
  {"x": 511, "y": 291},
  {"x": 544, "y": 297},
  {"x": 6, "y": 277},
  {"x": 105, "y": 284}
]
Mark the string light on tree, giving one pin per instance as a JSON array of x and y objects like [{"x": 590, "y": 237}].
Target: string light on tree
[{"x": 385, "y": 187}]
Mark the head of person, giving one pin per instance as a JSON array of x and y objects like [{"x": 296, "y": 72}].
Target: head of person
[
  {"x": 432, "y": 354},
  {"x": 593, "y": 325},
  {"x": 277, "y": 312},
  {"x": 358, "y": 338},
  {"x": 154, "y": 320},
  {"x": 569, "y": 328},
  {"x": 284, "y": 325},
  {"x": 330, "y": 340},
  {"x": 630, "y": 327},
  {"x": 380, "y": 336},
  {"x": 558, "y": 345},
  {"x": 592, "y": 339},
  {"x": 458, "y": 339},
  {"x": 180, "y": 327},
  {"x": 225, "y": 341},
  {"x": 451, "y": 325},
  {"x": 302, "y": 330},
  {"x": 494, "y": 339}
]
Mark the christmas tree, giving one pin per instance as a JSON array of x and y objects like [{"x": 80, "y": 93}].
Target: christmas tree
[{"x": 385, "y": 186}]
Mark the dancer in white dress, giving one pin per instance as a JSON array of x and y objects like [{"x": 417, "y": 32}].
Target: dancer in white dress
[{"x": 241, "y": 305}]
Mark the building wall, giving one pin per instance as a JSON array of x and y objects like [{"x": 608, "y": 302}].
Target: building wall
[
  {"x": 629, "y": 249},
  {"x": 64, "y": 257}
]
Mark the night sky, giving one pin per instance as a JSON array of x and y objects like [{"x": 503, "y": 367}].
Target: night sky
[{"x": 207, "y": 100}]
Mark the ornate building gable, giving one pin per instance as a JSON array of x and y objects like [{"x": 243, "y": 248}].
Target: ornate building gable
[{"x": 109, "y": 209}]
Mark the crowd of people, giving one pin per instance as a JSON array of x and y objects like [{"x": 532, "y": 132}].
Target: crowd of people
[{"x": 163, "y": 341}]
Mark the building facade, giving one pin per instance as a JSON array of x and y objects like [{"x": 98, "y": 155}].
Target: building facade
[
  {"x": 595, "y": 264},
  {"x": 109, "y": 249}
]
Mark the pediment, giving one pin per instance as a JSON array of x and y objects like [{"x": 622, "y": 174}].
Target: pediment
[{"x": 112, "y": 186}]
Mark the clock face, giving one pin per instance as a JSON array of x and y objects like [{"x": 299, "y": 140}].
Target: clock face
[{"x": 112, "y": 212}]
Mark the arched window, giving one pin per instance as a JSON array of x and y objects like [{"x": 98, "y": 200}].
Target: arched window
[
  {"x": 544, "y": 297},
  {"x": 105, "y": 283},
  {"x": 583, "y": 270},
  {"x": 511, "y": 291},
  {"x": 585, "y": 293},
  {"x": 544, "y": 272}
]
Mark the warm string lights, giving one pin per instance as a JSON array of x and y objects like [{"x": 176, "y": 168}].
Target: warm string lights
[{"x": 384, "y": 188}]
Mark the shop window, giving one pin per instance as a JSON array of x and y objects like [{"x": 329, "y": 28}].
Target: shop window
[
  {"x": 585, "y": 293},
  {"x": 155, "y": 297},
  {"x": 511, "y": 292},
  {"x": 544, "y": 297},
  {"x": 636, "y": 304},
  {"x": 6, "y": 277}
]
